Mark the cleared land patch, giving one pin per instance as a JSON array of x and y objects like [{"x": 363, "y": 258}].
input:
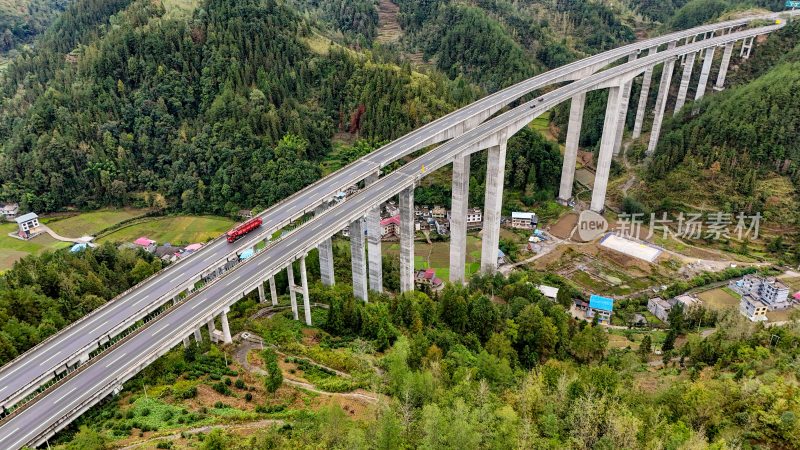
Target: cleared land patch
[
  {"x": 718, "y": 299},
  {"x": 93, "y": 222},
  {"x": 175, "y": 230}
]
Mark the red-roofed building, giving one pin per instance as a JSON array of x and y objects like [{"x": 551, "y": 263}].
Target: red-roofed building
[
  {"x": 145, "y": 242},
  {"x": 428, "y": 277},
  {"x": 390, "y": 227}
]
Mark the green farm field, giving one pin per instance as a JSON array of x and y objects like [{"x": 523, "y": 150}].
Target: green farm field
[{"x": 176, "y": 230}]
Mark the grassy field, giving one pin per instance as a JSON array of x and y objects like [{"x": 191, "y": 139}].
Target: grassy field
[
  {"x": 718, "y": 299},
  {"x": 175, "y": 230},
  {"x": 12, "y": 249},
  {"x": 92, "y": 222}
]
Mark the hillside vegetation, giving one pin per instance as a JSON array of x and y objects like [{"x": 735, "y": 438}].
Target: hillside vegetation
[{"x": 226, "y": 109}]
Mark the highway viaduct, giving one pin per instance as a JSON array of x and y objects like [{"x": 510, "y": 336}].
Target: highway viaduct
[{"x": 182, "y": 309}]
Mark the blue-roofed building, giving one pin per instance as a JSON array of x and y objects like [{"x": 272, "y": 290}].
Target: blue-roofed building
[{"x": 599, "y": 306}]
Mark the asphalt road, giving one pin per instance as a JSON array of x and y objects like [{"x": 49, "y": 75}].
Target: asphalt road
[{"x": 115, "y": 366}]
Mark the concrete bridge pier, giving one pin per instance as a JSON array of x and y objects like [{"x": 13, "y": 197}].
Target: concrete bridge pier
[
  {"x": 661, "y": 104},
  {"x": 357, "y": 257},
  {"x": 688, "y": 67},
  {"x": 571, "y": 148},
  {"x": 747, "y": 47},
  {"x": 261, "y": 297},
  {"x": 304, "y": 284},
  {"x": 211, "y": 329},
  {"x": 226, "y": 329},
  {"x": 623, "y": 110},
  {"x": 607, "y": 143},
  {"x": 292, "y": 288},
  {"x": 374, "y": 254},
  {"x": 273, "y": 292},
  {"x": 198, "y": 337},
  {"x": 495, "y": 172},
  {"x": 186, "y": 342},
  {"x": 643, "y": 96},
  {"x": 325, "y": 256},
  {"x": 708, "y": 59},
  {"x": 723, "y": 68},
  {"x": 458, "y": 218},
  {"x": 407, "y": 232}
]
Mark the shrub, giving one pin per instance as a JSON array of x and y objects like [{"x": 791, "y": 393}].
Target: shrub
[
  {"x": 248, "y": 397},
  {"x": 239, "y": 383}
]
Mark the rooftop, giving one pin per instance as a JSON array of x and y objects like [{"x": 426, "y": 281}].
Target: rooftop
[
  {"x": 26, "y": 217},
  {"x": 523, "y": 215},
  {"x": 601, "y": 303}
]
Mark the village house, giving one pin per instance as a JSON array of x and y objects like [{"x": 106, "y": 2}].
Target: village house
[
  {"x": 428, "y": 277},
  {"x": 754, "y": 310},
  {"x": 524, "y": 220},
  {"x": 439, "y": 212},
  {"x": 474, "y": 218},
  {"x": 548, "y": 291},
  {"x": 601, "y": 307},
  {"x": 390, "y": 227},
  {"x": 28, "y": 225},
  {"x": 10, "y": 211},
  {"x": 769, "y": 291},
  {"x": 659, "y": 308}
]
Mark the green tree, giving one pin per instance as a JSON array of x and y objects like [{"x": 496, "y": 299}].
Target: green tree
[{"x": 274, "y": 375}]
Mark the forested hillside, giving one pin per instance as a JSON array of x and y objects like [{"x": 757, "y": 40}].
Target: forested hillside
[
  {"x": 22, "y": 20},
  {"x": 229, "y": 108}
]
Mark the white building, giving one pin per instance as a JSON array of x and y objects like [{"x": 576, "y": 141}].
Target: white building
[
  {"x": 548, "y": 291},
  {"x": 659, "y": 308},
  {"x": 474, "y": 218},
  {"x": 28, "y": 224},
  {"x": 768, "y": 291},
  {"x": 524, "y": 220},
  {"x": 10, "y": 211},
  {"x": 753, "y": 309}
]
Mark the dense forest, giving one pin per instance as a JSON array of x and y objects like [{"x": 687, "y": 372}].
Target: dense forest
[
  {"x": 230, "y": 109},
  {"x": 22, "y": 21}
]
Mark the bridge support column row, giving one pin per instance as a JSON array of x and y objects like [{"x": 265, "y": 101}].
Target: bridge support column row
[
  {"x": 723, "y": 68},
  {"x": 661, "y": 104},
  {"x": 407, "y": 233},
  {"x": 495, "y": 171},
  {"x": 607, "y": 143},
  {"x": 458, "y": 218},
  {"x": 643, "y": 96},
  {"x": 358, "y": 261},
  {"x": 571, "y": 149},
  {"x": 688, "y": 67}
]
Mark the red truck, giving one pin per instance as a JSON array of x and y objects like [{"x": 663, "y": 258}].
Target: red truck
[{"x": 243, "y": 229}]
